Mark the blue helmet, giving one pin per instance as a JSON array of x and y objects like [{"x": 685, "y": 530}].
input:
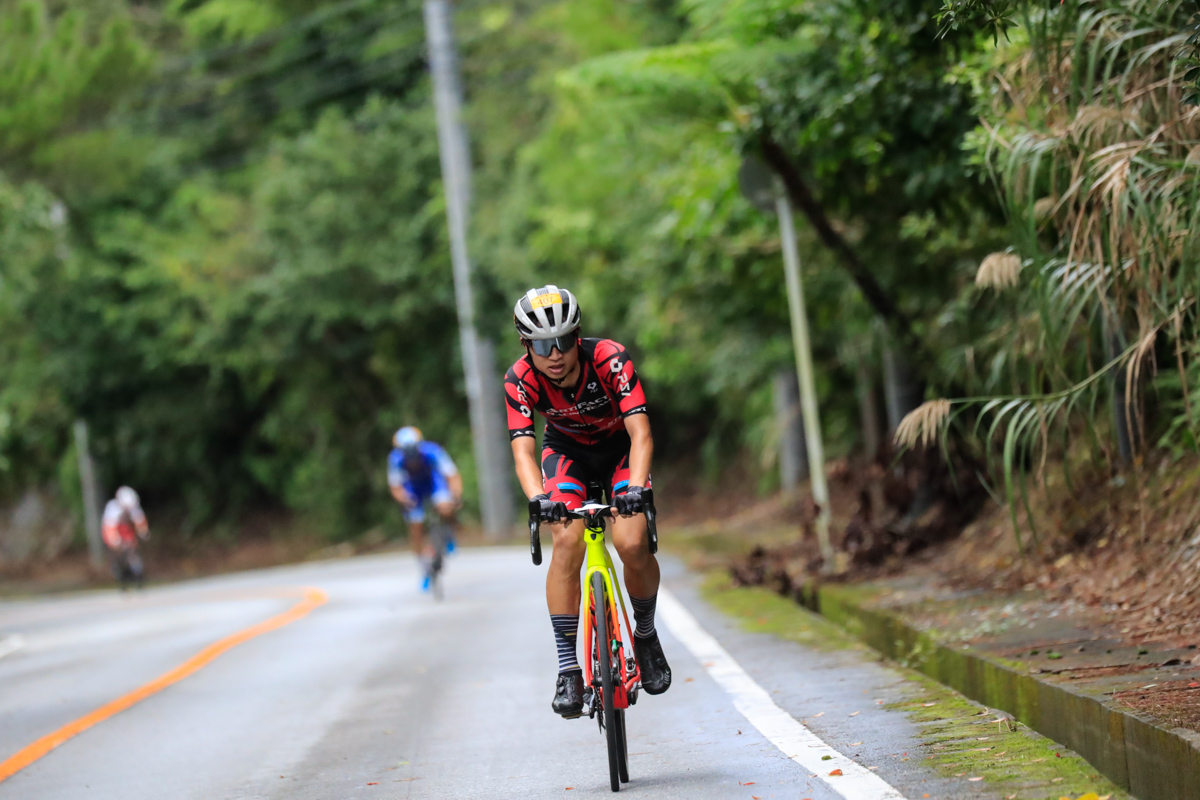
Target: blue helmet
[{"x": 407, "y": 439}]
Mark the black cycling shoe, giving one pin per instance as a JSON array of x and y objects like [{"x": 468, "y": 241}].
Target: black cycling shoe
[
  {"x": 568, "y": 695},
  {"x": 656, "y": 672}
]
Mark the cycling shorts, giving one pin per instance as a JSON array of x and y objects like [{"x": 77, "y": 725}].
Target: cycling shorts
[
  {"x": 434, "y": 488},
  {"x": 568, "y": 468}
]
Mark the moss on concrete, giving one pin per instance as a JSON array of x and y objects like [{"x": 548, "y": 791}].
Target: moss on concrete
[
  {"x": 960, "y": 739},
  {"x": 763, "y": 611},
  {"x": 965, "y": 740}
]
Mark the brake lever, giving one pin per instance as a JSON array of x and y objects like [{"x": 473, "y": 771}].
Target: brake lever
[
  {"x": 535, "y": 531},
  {"x": 651, "y": 519}
]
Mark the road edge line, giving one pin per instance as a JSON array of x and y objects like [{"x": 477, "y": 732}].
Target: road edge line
[
  {"x": 793, "y": 739},
  {"x": 11, "y": 644},
  {"x": 32, "y": 752}
]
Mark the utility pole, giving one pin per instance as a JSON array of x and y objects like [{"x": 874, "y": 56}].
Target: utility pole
[
  {"x": 761, "y": 187},
  {"x": 804, "y": 369},
  {"x": 495, "y": 499},
  {"x": 790, "y": 429},
  {"x": 91, "y": 496}
]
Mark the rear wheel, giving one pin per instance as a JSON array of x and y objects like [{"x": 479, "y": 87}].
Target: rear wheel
[
  {"x": 437, "y": 537},
  {"x": 612, "y": 724}
]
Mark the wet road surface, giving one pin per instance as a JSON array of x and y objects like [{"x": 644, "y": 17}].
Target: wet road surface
[{"x": 383, "y": 692}]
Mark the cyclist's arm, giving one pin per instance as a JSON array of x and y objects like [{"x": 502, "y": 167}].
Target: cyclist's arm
[
  {"x": 529, "y": 472},
  {"x": 641, "y": 448},
  {"x": 456, "y": 487},
  {"x": 402, "y": 497},
  {"x": 140, "y": 524}
]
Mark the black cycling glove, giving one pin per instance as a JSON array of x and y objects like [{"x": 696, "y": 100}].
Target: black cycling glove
[
  {"x": 630, "y": 502},
  {"x": 550, "y": 511}
]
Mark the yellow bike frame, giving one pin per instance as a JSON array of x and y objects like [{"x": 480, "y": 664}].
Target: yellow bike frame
[{"x": 598, "y": 560}]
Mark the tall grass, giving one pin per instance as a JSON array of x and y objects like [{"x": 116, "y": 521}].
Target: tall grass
[{"x": 1086, "y": 133}]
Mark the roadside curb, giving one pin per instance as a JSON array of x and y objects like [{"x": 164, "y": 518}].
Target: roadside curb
[{"x": 1152, "y": 762}]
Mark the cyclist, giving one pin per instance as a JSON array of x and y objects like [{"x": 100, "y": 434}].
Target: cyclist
[
  {"x": 596, "y": 430},
  {"x": 122, "y": 527},
  {"x": 420, "y": 471}
]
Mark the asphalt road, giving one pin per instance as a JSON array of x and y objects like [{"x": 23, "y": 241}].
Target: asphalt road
[{"x": 382, "y": 692}]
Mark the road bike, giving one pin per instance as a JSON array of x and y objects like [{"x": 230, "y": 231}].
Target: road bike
[
  {"x": 611, "y": 678},
  {"x": 441, "y": 538},
  {"x": 128, "y": 568}
]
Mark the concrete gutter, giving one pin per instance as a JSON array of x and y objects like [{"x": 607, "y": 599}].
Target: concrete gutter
[{"x": 1151, "y": 761}]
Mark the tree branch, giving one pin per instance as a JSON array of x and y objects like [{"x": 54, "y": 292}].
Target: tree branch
[{"x": 803, "y": 198}]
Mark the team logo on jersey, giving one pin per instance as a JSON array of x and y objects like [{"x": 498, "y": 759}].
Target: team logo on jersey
[
  {"x": 543, "y": 300},
  {"x": 592, "y": 386}
]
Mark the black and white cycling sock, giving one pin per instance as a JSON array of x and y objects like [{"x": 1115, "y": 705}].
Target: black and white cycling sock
[
  {"x": 566, "y": 628},
  {"x": 643, "y": 615}
]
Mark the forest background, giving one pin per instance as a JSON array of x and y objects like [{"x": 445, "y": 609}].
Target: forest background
[{"x": 222, "y": 232}]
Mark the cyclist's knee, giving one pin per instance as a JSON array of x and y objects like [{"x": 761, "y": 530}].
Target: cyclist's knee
[
  {"x": 445, "y": 511},
  {"x": 630, "y": 542},
  {"x": 568, "y": 541}
]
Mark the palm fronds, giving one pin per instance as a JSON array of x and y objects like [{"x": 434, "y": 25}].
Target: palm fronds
[{"x": 1095, "y": 152}]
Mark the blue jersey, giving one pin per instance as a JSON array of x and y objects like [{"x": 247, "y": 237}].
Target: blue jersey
[
  {"x": 423, "y": 477},
  {"x": 423, "y": 469}
]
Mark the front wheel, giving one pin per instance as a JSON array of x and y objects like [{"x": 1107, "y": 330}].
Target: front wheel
[
  {"x": 603, "y": 644},
  {"x": 623, "y": 761}
]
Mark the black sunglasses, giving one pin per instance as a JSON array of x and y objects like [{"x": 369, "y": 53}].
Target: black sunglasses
[{"x": 544, "y": 347}]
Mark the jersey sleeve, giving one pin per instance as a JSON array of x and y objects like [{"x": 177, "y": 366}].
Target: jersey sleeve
[
  {"x": 397, "y": 475},
  {"x": 442, "y": 461},
  {"x": 615, "y": 368},
  {"x": 520, "y": 395}
]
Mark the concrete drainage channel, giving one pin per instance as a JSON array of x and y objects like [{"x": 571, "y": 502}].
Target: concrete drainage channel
[{"x": 1151, "y": 761}]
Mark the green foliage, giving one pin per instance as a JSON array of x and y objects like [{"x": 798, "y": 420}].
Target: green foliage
[
  {"x": 222, "y": 234},
  {"x": 1189, "y": 58},
  {"x": 633, "y": 182},
  {"x": 994, "y": 16},
  {"x": 236, "y": 336},
  {"x": 60, "y": 70},
  {"x": 1088, "y": 139}
]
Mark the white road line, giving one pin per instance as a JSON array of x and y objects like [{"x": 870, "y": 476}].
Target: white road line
[
  {"x": 796, "y": 741},
  {"x": 11, "y": 645}
]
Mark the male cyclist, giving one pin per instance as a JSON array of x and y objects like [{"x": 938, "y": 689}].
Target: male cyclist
[
  {"x": 596, "y": 430},
  {"x": 419, "y": 471},
  {"x": 122, "y": 527}
]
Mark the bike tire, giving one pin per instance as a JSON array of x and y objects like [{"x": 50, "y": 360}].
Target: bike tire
[
  {"x": 438, "y": 535},
  {"x": 604, "y": 653},
  {"x": 435, "y": 581},
  {"x": 623, "y": 762}
]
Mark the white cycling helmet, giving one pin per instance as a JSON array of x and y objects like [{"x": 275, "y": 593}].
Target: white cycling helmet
[
  {"x": 407, "y": 438},
  {"x": 128, "y": 499},
  {"x": 546, "y": 313}
]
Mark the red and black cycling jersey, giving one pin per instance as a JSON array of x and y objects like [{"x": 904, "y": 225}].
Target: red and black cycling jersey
[{"x": 608, "y": 391}]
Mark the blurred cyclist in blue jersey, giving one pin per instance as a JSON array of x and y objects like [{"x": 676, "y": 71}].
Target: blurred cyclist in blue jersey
[{"x": 421, "y": 471}]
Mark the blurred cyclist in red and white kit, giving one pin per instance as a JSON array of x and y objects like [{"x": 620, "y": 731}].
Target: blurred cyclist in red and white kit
[{"x": 123, "y": 526}]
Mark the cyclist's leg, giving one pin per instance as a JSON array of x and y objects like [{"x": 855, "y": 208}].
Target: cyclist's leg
[
  {"x": 415, "y": 517},
  {"x": 444, "y": 505},
  {"x": 563, "y": 481},
  {"x": 641, "y": 581},
  {"x": 137, "y": 571},
  {"x": 630, "y": 538}
]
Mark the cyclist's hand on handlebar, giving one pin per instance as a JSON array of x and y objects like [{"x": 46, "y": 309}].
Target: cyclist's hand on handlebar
[
  {"x": 550, "y": 511},
  {"x": 630, "y": 501}
]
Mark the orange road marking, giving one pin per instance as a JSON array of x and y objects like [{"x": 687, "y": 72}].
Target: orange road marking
[{"x": 31, "y": 753}]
